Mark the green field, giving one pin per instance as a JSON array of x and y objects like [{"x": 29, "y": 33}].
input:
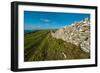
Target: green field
[{"x": 41, "y": 46}]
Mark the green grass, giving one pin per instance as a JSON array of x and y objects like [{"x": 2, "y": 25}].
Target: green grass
[{"x": 41, "y": 46}]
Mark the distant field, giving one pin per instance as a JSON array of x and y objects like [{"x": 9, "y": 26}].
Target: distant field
[{"x": 41, "y": 46}]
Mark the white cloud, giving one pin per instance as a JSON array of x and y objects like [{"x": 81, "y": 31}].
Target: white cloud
[{"x": 45, "y": 20}]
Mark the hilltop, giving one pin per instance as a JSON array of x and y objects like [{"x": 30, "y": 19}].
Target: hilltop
[{"x": 42, "y": 46}]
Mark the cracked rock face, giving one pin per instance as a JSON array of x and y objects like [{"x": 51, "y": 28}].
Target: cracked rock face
[{"x": 78, "y": 33}]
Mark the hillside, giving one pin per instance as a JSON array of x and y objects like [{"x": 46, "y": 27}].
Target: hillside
[{"x": 42, "y": 46}]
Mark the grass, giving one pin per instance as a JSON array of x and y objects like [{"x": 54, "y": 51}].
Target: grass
[{"x": 41, "y": 46}]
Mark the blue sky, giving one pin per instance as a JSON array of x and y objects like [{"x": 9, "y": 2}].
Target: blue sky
[{"x": 50, "y": 20}]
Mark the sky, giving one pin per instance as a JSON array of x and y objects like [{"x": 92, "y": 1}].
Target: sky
[{"x": 50, "y": 20}]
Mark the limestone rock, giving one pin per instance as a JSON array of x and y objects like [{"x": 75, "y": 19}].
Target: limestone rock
[{"x": 78, "y": 33}]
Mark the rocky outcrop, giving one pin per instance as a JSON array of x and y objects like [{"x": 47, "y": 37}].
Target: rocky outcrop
[{"x": 78, "y": 33}]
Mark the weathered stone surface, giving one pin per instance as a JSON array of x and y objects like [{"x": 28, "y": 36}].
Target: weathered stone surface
[{"x": 78, "y": 33}]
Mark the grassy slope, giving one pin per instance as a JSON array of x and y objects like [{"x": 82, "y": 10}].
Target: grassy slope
[{"x": 40, "y": 46}]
